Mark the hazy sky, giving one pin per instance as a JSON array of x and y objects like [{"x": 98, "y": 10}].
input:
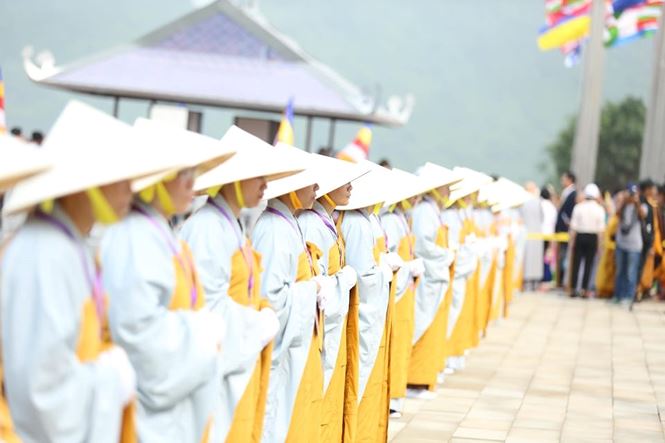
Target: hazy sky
[{"x": 485, "y": 96}]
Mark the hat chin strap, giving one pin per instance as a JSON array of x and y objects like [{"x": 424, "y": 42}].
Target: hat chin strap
[
  {"x": 440, "y": 198},
  {"x": 159, "y": 190},
  {"x": 212, "y": 192},
  {"x": 47, "y": 206},
  {"x": 329, "y": 200},
  {"x": 295, "y": 201},
  {"x": 101, "y": 208},
  {"x": 239, "y": 197}
]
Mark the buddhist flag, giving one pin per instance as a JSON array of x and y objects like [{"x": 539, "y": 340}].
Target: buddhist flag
[
  {"x": 358, "y": 149},
  {"x": 285, "y": 131},
  {"x": 3, "y": 122}
]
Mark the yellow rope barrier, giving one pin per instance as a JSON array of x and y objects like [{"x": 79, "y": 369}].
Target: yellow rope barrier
[{"x": 559, "y": 237}]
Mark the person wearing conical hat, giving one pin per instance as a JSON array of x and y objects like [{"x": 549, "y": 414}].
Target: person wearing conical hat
[
  {"x": 497, "y": 244},
  {"x": 64, "y": 379},
  {"x": 367, "y": 253},
  {"x": 432, "y": 296},
  {"x": 19, "y": 162},
  {"x": 156, "y": 296},
  {"x": 318, "y": 228},
  {"x": 230, "y": 272},
  {"x": 463, "y": 331},
  {"x": 485, "y": 248},
  {"x": 513, "y": 235},
  {"x": 290, "y": 283},
  {"x": 400, "y": 240}
]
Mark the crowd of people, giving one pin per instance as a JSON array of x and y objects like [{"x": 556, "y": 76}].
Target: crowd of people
[
  {"x": 302, "y": 299},
  {"x": 598, "y": 244}
]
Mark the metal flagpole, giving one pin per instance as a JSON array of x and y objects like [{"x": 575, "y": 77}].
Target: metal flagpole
[
  {"x": 585, "y": 144},
  {"x": 652, "y": 162}
]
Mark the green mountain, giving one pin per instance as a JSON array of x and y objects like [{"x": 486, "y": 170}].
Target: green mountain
[{"x": 485, "y": 96}]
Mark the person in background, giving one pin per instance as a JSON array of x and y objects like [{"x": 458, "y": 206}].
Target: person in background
[
  {"x": 401, "y": 240},
  {"x": 652, "y": 246},
  {"x": 37, "y": 138},
  {"x": 156, "y": 311},
  {"x": 17, "y": 164},
  {"x": 659, "y": 264},
  {"x": 433, "y": 293},
  {"x": 586, "y": 228},
  {"x": 298, "y": 296},
  {"x": 17, "y": 132},
  {"x": 567, "y": 203},
  {"x": 549, "y": 222},
  {"x": 65, "y": 380},
  {"x": 367, "y": 253},
  {"x": 319, "y": 230},
  {"x": 532, "y": 213},
  {"x": 230, "y": 272},
  {"x": 631, "y": 212}
]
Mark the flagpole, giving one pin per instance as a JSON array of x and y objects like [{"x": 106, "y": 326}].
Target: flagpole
[
  {"x": 585, "y": 145},
  {"x": 652, "y": 162}
]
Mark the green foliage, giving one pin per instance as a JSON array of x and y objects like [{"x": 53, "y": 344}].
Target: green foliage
[{"x": 620, "y": 144}]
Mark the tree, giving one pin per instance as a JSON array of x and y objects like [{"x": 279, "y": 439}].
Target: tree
[{"x": 620, "y": 144}]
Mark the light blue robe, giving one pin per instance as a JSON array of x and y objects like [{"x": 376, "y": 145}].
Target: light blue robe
[
  {"x": 433, "y": 285},
  {"x": 359, "y": 232},
  {"x": 173, "y": 352},
  {"x": 51, "y": 394},
  {"x": 396, "y": 228},
  {"x": 281, "y": 245},
  {"x": 466, "y": 261},
  {"x": 334, "y": 315},
  {"x": 214, "y": 241}
]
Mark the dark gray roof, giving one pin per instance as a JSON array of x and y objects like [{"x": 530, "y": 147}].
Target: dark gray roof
[{"x": 227, "y": 56}]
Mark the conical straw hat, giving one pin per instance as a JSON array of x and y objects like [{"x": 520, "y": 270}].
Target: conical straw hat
[
  {"x": 18, "y": 161},
  {"x": 370, "y": 189},
  {"x": 471, "y": 182},
  {"x": 307, "y": 177},
  {"x": 87, "y": 148},
  {"x": 178, "y": 149},
  {"x": 435, "y": 176},
  {"x": 336, "y": 173},
  {"x": 406, "y": 185},
  {"x": 253, "y": 158}
]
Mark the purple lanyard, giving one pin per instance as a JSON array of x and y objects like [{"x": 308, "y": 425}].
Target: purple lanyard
[
  {"x": 332, "y": 229},
  {"x": 295, "y": 228},
  {"x": 193, "y": 292},
  {"x": 95, "y": 281},
  {"x": 243, "y": 249}
]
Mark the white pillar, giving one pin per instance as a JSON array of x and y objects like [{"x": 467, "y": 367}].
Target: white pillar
[
  {"x": 652, "y": 162},
  {"x": 585, "y": 144}
]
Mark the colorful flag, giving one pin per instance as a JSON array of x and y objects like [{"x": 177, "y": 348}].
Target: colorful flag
[
  {"x": 633, "y": 20},
  {"x": 567, "y": 24},
  {"x": 285, "y": 131},
  {"x": 3, "y": 122},
  {"x": 358, "y": 149}
]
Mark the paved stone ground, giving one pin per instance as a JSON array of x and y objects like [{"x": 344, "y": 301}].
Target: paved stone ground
[{"x": 556, "y": 370}]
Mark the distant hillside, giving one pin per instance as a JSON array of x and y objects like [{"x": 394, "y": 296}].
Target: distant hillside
[{"x": 485, "y": 96}]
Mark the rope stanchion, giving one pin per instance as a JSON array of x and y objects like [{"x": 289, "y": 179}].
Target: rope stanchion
[{"x": 559, "y": 237}]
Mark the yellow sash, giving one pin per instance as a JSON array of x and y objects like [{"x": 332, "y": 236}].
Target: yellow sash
[
  {"x": 306, "y": 417},
  {"x": 332, "y": 419},
  {"x": 186, "y": 279},
  {"x": 245, "y": 289}
]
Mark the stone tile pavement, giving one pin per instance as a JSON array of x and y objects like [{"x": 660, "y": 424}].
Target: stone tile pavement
[{"x": 558, "y": 369}]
